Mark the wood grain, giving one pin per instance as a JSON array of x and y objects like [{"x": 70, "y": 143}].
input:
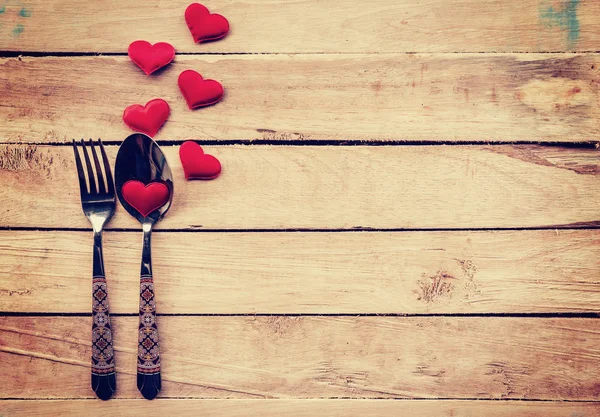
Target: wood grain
[
  {"x": 297, "y": 408},
  {"x": 315, "y": 273},
  {"x": 310, "y": 26},
  {"x": 281, "y": 98},
  {"x": 316, "y": 357},
  {"x": 331, "y": 187},
  {"x": 300, "y": 73}
]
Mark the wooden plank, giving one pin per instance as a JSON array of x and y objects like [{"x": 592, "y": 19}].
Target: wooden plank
[
  {"x": 315, "y": 273},
  {"x": 276, "y": 187},
  {"x": 441, "y": 97},
  {"x": 309, "y": 26},
  {"x": 316, "y": 357},
  {"x": 297, "y": 408}
]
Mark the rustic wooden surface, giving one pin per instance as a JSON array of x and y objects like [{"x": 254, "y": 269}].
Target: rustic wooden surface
[
  {"x": 317, "y": 357},
  {"x": 383, "y": 97},
  {"x": 313, "y": 26},
  {"x": 406, "y": 222},
  {"x": 332, "y": 187},
  {"x": 356, "y": 272},
  {"x": 298, "y": 408}
]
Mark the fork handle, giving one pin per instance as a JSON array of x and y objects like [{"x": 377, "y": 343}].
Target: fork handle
[
  {"x": 148, "y": 369},
  {"x": 103, "y": 359}
]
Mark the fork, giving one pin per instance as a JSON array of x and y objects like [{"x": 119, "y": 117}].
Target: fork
[{"x": 98, "y": 203}]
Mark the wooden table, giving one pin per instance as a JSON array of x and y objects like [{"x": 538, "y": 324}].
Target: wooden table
[{"x": 409, "y": 209}]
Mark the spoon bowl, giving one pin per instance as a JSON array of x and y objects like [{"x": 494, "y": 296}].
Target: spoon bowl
[{"x": 140, "y": 158}]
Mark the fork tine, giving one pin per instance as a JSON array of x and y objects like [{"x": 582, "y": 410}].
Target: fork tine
[
  {"x": 93, "y": 189},
  {"x": 82, "y": 184},
  {"x": 109, "y": 179},
  {"x": 101, "y": 187}
]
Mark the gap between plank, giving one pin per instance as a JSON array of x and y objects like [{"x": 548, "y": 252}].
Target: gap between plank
[
  {"x": 541, "y": 400},
  {"x": 336, "y": 142},
  {"x": 582, "y": 315},
  {"x": 16, "y": 54},
  {"x": 594, "y": 225}
]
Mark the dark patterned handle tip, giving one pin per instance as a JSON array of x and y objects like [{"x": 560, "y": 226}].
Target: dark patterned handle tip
[
  {"x": 148, "y": 377},
  {"x": 104, "y": 381}
]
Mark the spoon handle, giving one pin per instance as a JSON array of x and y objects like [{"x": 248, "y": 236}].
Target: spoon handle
[
  {"x": 148, "y": 375},
  {"x": 103, "y": 359}
]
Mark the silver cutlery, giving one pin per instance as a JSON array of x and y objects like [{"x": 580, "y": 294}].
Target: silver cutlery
[
  {"x": 140, "y": 159},
  {"x": 98, "y": 204}
]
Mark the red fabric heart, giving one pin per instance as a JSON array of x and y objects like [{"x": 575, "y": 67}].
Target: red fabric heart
[
  {"x": 149, "y": 118},
  {"x": 145, "y": 198},
  {"x": 197, "y": 91},
  {"x": 151, "y": 57},
  {"x": 203, "y": 25},
  {"x": 196, "y": 164}
]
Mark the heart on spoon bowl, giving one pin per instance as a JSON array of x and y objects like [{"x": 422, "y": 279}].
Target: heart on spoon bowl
[
  {"x": 149, "y": 118},
  {"x": 196, "y": 164},
  {"x": 145, "y": 198},
  {"x": 197, "y": 91},
  {"x": 203, "y": 25},
  {"x": 151, "y": 57}
]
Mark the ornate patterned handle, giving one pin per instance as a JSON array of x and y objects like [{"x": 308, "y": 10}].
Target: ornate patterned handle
[
  {"x": 103, "y": 359},
  {"x": 148, "y": 368}
]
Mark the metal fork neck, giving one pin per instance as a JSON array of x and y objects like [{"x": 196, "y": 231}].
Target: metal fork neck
[
  {"x": 98, "y": 268},
  {"x": 97, "y": 220},
  {"x": 146, "y": 250}
]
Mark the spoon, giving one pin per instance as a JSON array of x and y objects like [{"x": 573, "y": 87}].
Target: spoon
[{"x": 144, "y": 185}]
